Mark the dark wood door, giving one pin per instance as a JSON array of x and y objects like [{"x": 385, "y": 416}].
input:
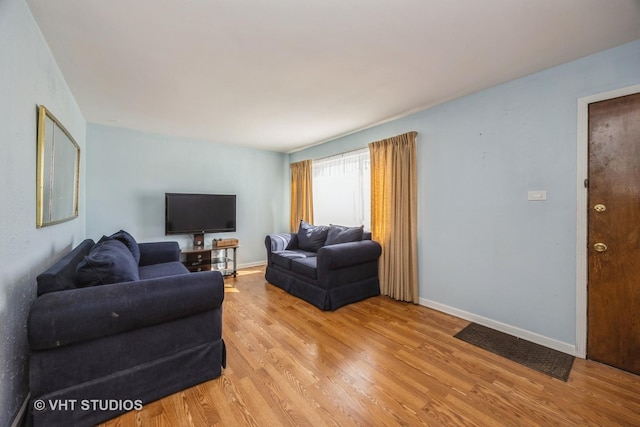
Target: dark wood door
[{"x": 614, "y": 233}]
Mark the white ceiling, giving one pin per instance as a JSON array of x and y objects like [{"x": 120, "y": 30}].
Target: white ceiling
[{"x": 285, "y": 74}]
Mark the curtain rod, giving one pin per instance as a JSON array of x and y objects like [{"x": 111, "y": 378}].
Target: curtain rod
[
  {"x": 342, "y": 154},
  {"x": 365, "y": 148}
]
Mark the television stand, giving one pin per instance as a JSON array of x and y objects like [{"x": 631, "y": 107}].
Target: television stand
[{"x": 207, "y": 258}]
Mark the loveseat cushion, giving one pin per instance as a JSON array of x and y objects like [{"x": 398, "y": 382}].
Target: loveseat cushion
[
  {"x": 311, "y": 237},
  {"x": 109, "y": 261},
  {"x": 283, "y": 258},
  {"x": 129, "y": 242},
  {"x": 306, "y": 267},
  {"x": 341, "y": 234}
]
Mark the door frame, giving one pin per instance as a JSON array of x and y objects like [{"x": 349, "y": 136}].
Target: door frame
[{"x": 582, "y": 206}]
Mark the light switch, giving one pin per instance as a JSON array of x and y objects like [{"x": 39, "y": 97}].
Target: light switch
[{"x": 538, "y": 195}]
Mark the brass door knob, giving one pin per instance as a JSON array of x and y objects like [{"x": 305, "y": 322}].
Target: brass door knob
[
  {"x": 600, "y": 208},
  {"x": 600, "y": 247}
]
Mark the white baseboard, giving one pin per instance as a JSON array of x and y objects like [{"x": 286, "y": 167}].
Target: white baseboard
[
  {"x": 502, "y": 327},
  {"x": 19, "y": 419},
  {"x": 252, "y": 264}
]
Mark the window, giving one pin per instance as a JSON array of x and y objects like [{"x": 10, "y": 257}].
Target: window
[{"x": 342, "y": 189}]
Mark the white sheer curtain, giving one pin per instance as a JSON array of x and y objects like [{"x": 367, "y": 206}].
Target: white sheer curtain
[{"x": 342, "y": 189}]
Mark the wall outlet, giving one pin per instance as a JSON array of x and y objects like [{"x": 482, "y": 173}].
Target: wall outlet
[{"x": 538, "y": 195}]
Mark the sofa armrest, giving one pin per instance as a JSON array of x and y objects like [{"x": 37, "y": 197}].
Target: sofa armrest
[
  {"x": 158, "y": 252},
  {"x": 61, "y": 318},
  {"x": 280, "y": 242},
  {"x": 343, "y": 255}
]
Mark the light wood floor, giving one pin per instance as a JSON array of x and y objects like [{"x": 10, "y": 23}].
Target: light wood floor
[{"x": 376, "y": 362}]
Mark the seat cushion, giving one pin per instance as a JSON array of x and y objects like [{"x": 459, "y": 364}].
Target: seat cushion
[
  {"x": 306, "y": 267},
  {"x": 109, "y": 261},
  {"x": 283, "y": 258},
  {"x": 162, "y": 270}
]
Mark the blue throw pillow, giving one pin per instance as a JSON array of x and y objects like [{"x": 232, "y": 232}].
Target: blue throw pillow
[
  {"x": 341, "y": 234},
  {"x": 311, "y": 237},
  {"x": 109, "y": 261},
  {"x": 129, "y": 242}
]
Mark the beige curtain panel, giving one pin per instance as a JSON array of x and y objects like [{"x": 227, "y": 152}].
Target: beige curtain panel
[
  {"x": 394, "y": 208},
  {"x": 301, "y": 193}
]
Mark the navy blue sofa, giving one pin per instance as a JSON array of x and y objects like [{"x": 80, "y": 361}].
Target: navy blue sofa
[
  {"x": 106, "y": 348},
  {"x": 324, "y": 268}
]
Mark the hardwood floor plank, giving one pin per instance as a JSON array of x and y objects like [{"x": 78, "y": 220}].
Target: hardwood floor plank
[
  {"x": 301, "y": 410},
  {"x": 376, "y": 362},
  {"x": 201, "y": 405},
  {"x": 237, "y": 403}
]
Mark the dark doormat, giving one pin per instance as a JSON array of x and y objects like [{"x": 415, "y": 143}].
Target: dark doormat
[{"x": 548, "y": 361}]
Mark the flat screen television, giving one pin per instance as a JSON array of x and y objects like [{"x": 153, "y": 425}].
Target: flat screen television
[{"x": 199, "y": 213}]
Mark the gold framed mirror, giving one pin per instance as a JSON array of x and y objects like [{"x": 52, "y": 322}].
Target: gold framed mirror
[{"x": 57, "y": 173}]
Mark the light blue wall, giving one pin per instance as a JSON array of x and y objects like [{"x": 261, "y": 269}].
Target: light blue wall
[
  {"x": 129, "y": 172},
  {"x": 28, "y": 76},
  {"x": 483, "y": 248}
]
